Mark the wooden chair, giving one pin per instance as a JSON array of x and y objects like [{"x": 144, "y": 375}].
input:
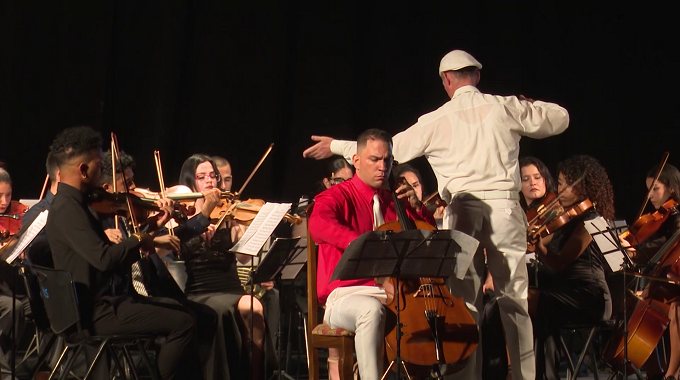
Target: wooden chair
[{"x": 322, "y": 335}]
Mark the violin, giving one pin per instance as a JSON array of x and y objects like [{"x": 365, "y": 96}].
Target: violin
[
  {"x": 646, "y": 225},
  {"x": 116, "y": 204},
  {"x": 243, "y": 212},
  {"x": 438, "y": 330},
  {"x": 552, "y": 224},
  {"x": 187, "y": 207},
  {"x": 434, "y": 200},
  {"x": 10, "y": 220},
  {"x": 537, "y": 212}
]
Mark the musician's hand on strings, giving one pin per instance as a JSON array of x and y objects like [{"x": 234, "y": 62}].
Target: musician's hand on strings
[
  {"x": 406, "y": 191},
  {"x": 209, "y": 232},
  {"x": 114, "y": 235},
  {"x": 168, "y": 242},
  {"x": 531, "y": 247},
  {"x": 522, "y": 97},
  {"x": 320, "y": 150},
  {"x": 439, "y": 212},
  {"x": 166, "y": 209},
  {"x": 632, "y": 252},
  {"x": 211, "y": 200}
]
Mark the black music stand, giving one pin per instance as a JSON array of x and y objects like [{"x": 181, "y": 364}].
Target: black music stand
[
  {"x": 282, "y": 253},
  {"x": 406, "y": 254},
  {"x": 607, "y": 239}
]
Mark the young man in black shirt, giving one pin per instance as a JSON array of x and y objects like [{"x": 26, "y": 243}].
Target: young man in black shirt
[{"x": 80, "y": 246}]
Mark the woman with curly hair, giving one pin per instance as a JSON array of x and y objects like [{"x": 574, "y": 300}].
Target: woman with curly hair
[{"x": 573, "y": 288}]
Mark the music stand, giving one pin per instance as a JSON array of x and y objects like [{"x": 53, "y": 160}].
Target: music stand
[
  {"x": 606, "y": 237},
  {"x": 282, "y": 253},
  {"x": 409, "y": 254}
]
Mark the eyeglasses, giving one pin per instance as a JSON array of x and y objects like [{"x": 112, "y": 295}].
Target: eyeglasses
[
  {"x": 202, "y": 177},
  {"x": 337, "y": 180}
]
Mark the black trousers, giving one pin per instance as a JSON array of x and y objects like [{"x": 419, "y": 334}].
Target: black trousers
[{"x": 178, "y": 357}]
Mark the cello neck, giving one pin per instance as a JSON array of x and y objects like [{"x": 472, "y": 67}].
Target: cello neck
[{"x": 405, "y": 222}]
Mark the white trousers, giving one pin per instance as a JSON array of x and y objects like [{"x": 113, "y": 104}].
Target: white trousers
[
  {"x": 500, "y": 227},
  {"x": 365, "y": 316}
]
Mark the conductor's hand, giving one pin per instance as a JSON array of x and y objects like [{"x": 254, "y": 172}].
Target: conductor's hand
[
  {"x": 320, "y": 150},
  {"x": 168, "y": 242},
  {"x": 406, "y": 191},
  {"x": 522, "y": 97}
]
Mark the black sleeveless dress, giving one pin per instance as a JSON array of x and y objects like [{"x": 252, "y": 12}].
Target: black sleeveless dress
[{"x": 576, "y": 294}]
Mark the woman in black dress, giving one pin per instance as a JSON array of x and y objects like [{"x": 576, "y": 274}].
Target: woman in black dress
[
  {"x": 212, "y": 279},
  {"x": 573, "y": 289}
]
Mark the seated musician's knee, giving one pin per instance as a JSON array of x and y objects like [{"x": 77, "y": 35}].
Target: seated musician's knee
[
  {"x": 371, "y": 311},
  {"x": 244, "y": 306}
]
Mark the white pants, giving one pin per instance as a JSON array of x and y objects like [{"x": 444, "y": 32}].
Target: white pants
[
  {"x": 500, "y": 227},
  {"x": 365, "y": 316}
]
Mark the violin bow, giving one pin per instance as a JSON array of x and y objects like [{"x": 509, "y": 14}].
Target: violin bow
[
  {"x": 42, "y": 193},
  {"x": 161, "y": 182},
  {"x": 255, "y": 170},
  {"x": 664, "y": 159},
  {"x": 115, "y": 157},
  {"x": 113, "y": 170}
]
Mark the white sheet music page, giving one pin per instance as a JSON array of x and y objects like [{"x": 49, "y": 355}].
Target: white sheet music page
[
  {"x": 598, "y": 228},
  {"x": 261, "y": 228},
  {"x": 27, "y": 237}
]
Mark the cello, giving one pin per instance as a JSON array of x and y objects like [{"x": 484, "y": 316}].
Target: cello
[
  {"x": 649, "y": 319},
  {"x": 438, "y": 328}
]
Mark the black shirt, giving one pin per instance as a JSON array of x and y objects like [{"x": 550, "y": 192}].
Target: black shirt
[{"x": 80, "y": 246}]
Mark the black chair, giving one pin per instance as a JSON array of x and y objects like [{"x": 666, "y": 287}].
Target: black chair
[
  {"x": 58, "y": 293},
  {"x": 39, "y": 319},
  {"x": 587, "y": 333}
]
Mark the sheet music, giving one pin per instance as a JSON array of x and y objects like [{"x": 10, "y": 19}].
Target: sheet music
[
  {"x": 599, "y": 229},
  {"x": 261, "y": 228},
  {"x": 28, "y": 236},
  {"x": 529, "y": 257}
]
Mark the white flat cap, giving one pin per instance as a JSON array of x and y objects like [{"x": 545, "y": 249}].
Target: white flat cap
[{"x": 456, "y": 60}]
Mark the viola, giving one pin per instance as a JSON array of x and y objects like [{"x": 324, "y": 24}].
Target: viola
[
  {"x": 437, "y": 327},
  {"x": 646, "y": 225},
  {"x": 10, "y": 220},
  {"x": 550, "y": 225}
]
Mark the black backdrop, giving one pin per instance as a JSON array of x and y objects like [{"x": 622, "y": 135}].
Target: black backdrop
[{"x": 229, "y": 78}]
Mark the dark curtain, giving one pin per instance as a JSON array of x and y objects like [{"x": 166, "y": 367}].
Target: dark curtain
[{"x": 229, "y": 78}]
